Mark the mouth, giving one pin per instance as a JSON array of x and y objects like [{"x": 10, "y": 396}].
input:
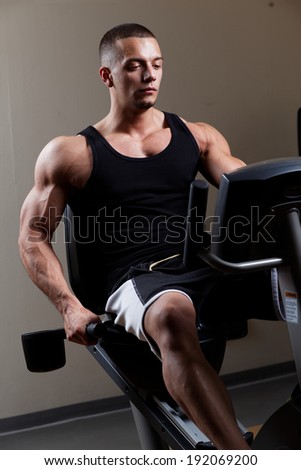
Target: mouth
[{"x": 149, "y": 90}]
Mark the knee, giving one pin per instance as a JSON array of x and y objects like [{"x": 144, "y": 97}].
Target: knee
[
  {"x": 171, "y": 320},
  {"x": 174, "y": 314}
]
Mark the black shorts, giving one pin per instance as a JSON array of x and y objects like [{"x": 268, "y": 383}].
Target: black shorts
[{"x": 146, "y": 282}]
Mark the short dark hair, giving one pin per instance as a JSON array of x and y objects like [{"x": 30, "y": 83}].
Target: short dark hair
[{"x": 122, "y": 31}]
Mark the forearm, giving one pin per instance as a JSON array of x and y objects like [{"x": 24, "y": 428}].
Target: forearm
[{"x": 45, "y": 270}]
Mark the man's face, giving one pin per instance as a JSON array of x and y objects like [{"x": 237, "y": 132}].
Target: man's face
[{"x": 137, "y": 72}]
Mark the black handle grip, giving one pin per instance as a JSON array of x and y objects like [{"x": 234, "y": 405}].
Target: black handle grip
[{"x": 96, "y": 330}]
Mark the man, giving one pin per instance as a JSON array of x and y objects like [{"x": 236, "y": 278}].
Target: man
[{"x": 136, "y": 165}]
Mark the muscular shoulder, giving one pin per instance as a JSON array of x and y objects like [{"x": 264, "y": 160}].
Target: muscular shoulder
[
  {"x": 66, "y": 161},
  {"x": 215, "y": 152}
]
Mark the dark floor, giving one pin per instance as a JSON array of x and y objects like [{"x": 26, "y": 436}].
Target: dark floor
[{"x": 254, "y": 402}]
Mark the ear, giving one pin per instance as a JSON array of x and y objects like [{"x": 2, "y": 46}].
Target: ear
[{"x": 106, "y": 76}]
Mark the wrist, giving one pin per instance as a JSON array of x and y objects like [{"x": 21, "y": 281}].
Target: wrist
[{"x": 66, "y": 303}]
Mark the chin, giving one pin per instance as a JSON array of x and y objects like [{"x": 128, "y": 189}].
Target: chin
[{"x": 144, "y": 105}]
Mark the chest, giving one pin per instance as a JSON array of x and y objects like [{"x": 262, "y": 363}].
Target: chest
[
  {"x": 145, "y": 146},
  {"x": 149, "y": 173}
]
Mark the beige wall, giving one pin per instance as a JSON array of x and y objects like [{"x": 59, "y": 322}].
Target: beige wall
[{"x": 235, "y": 64}]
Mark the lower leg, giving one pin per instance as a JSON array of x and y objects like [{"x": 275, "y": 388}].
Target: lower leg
[
  {"x": 189, "y": 379},
  {"x": 203, "y": 397}
]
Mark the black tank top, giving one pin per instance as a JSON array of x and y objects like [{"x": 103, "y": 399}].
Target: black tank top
[{"x": 138, "y": 205}]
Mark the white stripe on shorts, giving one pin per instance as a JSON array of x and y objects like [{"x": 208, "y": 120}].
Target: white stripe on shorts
[{"x": 126, "y": 304}]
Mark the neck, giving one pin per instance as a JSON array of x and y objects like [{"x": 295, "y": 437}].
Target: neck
[{"x": 131, "y": 122}]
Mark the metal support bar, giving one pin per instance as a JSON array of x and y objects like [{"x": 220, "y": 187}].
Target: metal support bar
[
  {"x": 194, "y": 237},
  {"x": 244, "y": 266},
  {"x": 149, "y": 438}
]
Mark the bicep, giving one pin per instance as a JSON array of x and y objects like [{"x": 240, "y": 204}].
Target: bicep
[{"x": 216, "y": 157}]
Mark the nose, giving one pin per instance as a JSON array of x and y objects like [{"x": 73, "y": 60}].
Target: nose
[{"x": 149, "y": 74}]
